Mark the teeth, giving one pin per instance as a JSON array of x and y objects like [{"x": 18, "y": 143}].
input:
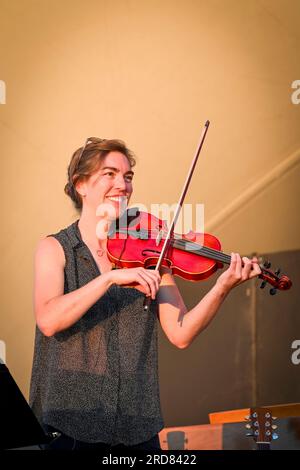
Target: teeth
[{"x": 117, "y": 198}]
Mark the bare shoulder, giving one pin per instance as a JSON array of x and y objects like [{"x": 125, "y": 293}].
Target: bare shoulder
[
  {"x": 49, "y": 275},
  {"x": 50, "y": 249}
]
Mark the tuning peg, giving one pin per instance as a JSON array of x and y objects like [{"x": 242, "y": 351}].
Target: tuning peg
[
  {"x": 275, "y": 436},
  {"x": 263, "y": 284},
  {"x": 274, "y": 426},
  {"x": 273, "y": 291},
  {"x": 274, "y": 418},
  {"x": 249, "y": 434},
  {"x": 267, "y": 264},
  {"x": 248, "y": 426},
  {"x": 277, "y": 272},
  {"x": 247, "y": 417}
]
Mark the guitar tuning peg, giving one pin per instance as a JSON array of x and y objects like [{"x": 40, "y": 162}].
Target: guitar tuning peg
[
  {"x": 273, "y": 291},
  {"x": 247, "y": 417},
  {"x": 248, "y": 426},
  {"x": 263, "y": 284},
  {"x": 274, "y": 417},
  {"x": 277, "y": 272},
  {"x": 249, "y": 434},
  {"x": 275, "y": 436},
  {"x": 274, "y": 426},
  {"x": 267, "y": 264}
]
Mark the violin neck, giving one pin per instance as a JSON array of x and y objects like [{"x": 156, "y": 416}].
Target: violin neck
[{"x": 199, "y": 250}]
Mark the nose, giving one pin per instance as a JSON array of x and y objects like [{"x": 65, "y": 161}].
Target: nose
[{"x": 120, "y": 182}]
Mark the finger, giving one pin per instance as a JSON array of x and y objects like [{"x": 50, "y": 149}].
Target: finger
[
  {"x": 144, "y": 284},
  {"x": 233, "y": 262},
  {"x": 246, "y": 268},
  {"x": 255, "y": 265},
  {"x": 151, "y": 281},
  {"x": 152, "y": 272},
  {"x": 238, "y": 268},
  {"x": 155, "y": 276},
  {"x": 255, "y": 270}
]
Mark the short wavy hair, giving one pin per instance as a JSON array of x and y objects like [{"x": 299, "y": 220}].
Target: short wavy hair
[{"x": 86, "y": 160}]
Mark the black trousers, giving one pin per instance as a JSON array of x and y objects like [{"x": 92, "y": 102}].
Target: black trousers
[{"x": 64, "y": 442}]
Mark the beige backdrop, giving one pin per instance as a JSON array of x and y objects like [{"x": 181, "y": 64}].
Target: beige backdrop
[{"x": 149, "y": 72}]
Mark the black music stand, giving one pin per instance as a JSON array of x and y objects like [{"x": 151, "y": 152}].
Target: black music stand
[{"x": 18, "y": 425}]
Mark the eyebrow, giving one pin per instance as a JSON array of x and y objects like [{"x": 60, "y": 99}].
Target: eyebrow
[{"x": 116, "y": 170}]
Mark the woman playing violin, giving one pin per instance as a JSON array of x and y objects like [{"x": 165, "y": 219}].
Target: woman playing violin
[{"x": 95, "y": 377}]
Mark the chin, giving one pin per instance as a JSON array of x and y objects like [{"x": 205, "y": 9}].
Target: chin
[
  {"x": 116, "y": 212},
  {"x": 111, "y": 210}
]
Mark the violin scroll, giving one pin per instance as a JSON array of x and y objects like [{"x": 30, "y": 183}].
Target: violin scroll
[{"x": 278, "y": 282}]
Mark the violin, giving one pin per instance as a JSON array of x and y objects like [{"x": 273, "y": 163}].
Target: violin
[
  {"x": 137, "y": 240},
  {"x": 143, "y": 240}
]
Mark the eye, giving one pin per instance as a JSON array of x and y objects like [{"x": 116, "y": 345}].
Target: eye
[
  {"x": 109, "y": 173},
  {"x": 128, "y": 178}
]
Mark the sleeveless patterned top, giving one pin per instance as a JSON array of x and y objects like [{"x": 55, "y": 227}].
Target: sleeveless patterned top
[{"x": 97, "y": 381}]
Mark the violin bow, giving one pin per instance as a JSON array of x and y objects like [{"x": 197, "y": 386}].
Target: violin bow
[{"x": 147, "y": 300}]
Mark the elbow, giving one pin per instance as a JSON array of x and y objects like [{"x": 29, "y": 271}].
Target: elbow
[
  {"x": 46, "y": 331},
  {"x": 177, "y": 340},
  {"x": 45, "y": 328},
  {"x": 180, "y": 343}
]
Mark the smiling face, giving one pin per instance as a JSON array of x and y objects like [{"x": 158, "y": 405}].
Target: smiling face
[{"x": 111, "y": 184}]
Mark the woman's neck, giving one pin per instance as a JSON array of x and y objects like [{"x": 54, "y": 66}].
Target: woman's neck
[{"x": 88, "y": 229}]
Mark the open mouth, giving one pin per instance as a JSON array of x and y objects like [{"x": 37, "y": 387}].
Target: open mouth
[{"x": 118, "y": 199}]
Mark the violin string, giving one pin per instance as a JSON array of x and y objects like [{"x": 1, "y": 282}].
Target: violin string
[
  {"x": 195, "y": 248},
  {"x": 210, "y": 252},
  {"x": 203, "y": 250},
  {"x": 215, "y": 254}
]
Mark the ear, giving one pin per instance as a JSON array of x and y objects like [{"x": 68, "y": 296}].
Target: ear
[{"x": 81, "y": 187}]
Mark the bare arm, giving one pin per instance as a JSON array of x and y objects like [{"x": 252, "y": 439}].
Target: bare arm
[
  {"x": 56, "y": 311},
  {"x": 182, "y": 326}
]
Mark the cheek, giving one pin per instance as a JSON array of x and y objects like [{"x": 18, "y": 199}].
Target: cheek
[
  {"x": 98, "y": 193},
  {"x": 129, "y": 188},
  {"x": 104, "y": 187}
]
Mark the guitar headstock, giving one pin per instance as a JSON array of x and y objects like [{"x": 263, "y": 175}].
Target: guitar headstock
[
  {"x": 277, "y": 281},
  {"x": 260, "y": 422}
]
